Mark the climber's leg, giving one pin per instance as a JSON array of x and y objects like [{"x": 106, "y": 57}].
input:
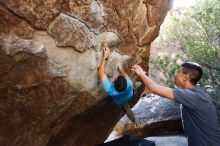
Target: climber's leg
[{"x": 128, "y": 111}]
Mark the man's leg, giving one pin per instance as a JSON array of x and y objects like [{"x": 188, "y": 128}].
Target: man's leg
[{"x": 128, "y": 111}]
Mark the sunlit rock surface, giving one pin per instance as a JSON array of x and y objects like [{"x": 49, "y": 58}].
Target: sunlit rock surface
[{"x": 50, "y": 51}]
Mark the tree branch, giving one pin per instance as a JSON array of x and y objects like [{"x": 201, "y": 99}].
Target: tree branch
[{"x": 211, "y": 66}]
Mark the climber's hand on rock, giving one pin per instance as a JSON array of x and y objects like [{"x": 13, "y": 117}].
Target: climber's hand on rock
[
  {"x": 119, "y": 67},
  {"x": 138, "y": 70},
  {"x": 106, "y": 52}
]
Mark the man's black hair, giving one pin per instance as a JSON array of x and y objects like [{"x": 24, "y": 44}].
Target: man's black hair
[
  {"x": 120, "y": 83},
  {"x": 194, "y": 70}
]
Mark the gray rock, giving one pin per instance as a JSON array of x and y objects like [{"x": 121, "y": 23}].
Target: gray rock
[
  {"x": 153, "y": 108},
  {"x": 150, "y": 112}
]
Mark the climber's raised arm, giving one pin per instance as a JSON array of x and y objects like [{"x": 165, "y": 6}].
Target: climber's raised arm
[
  {"x": 106, "y": 54},
  {"x": 151, "y": 85},
  {"x": 121, "y": 70}
]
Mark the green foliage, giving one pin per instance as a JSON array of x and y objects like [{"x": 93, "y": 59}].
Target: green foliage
[
  {"x": 167, "y": 66},
  {"x": 197, "y": 30}
]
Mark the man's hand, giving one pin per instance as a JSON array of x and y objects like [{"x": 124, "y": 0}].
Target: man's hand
[
  {"x": 119, "y": 67},
  {"x": 138, "y": 70},
  {"x": 106, "y": 52}
]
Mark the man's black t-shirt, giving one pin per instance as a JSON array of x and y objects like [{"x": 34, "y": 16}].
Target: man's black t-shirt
[{"x": 198, "y": 116}]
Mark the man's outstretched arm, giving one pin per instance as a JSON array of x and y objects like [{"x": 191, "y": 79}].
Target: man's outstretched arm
[
  {"x": 102, "y": 74},
  {"x": 151, "y": 85}
]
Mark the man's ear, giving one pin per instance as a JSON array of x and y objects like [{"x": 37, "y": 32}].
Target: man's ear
[{"x": 186, "y": 76}]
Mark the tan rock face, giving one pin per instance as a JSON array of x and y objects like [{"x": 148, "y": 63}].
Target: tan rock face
[{"x": 50, "y": 51}]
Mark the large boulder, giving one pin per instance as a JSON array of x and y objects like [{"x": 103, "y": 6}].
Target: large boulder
[
  {"x": 154, "y": 116},
  {"x": 50, "y": 51}
]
